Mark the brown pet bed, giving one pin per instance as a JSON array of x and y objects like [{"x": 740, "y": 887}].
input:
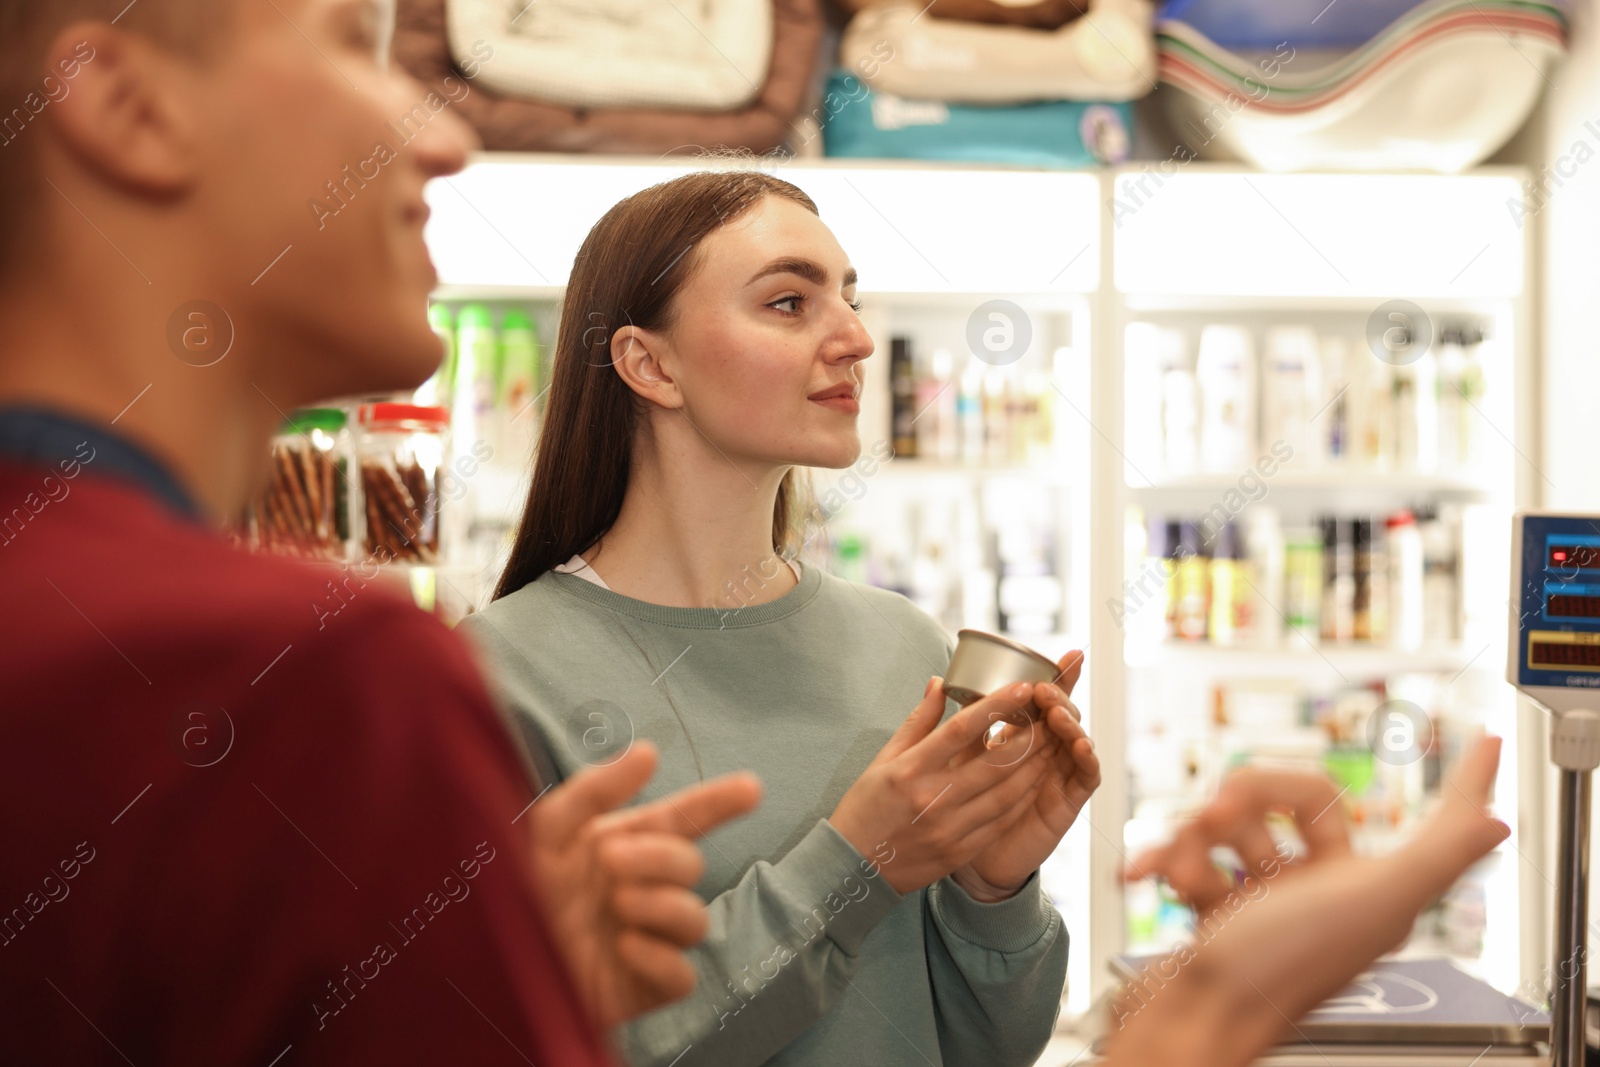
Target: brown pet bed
[
  {"x": 519, "y": 125},
  {"x": 1041, "y": 15}
]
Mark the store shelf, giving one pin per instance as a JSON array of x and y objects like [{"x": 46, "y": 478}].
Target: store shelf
[
  {"x": 1319, "y": 236},
  {"x": 1217, "y": 244},
  {"x": 1333, "y": 478},
  {"x": 514, "y": 222},
  {"x": 1299, "y": 656},
  {"x": 1057, "y": 473}
]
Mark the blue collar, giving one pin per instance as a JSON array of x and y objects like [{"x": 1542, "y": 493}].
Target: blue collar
[{"x": 32, "y": 434}]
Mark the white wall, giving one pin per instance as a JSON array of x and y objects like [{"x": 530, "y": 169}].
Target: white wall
[
  {"x": 1570, "y": 230},
  {"x": 1564, "y": 149}
]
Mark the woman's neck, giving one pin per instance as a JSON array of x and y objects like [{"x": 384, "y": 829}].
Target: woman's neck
[{"x": 695, "y": 528}]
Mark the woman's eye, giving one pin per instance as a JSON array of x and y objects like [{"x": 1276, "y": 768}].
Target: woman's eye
[
  {"x": 796, "y": 300},
  {"x": 855, "y": 305}
]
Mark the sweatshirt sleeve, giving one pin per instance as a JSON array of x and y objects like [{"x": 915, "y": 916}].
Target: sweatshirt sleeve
[
  {"x": 997, "y": 972},
  {"x": 783, "y": 945}
]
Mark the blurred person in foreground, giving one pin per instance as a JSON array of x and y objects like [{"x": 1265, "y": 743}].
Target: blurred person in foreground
[{"x": 240, "y": 828}]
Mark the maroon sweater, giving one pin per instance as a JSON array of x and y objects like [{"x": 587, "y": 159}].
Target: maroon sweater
[{"x": 240, "y": 829}]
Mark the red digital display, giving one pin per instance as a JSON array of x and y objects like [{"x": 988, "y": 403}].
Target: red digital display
[
  {"x": 1575, "y": 557},
  {"x": 1556, "y": 654},
  {"x": 1565, "y": 605}
]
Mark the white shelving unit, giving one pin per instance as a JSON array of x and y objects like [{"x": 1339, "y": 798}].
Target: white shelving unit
[
  {"x": 1326, "y": 251},
  {"x": 1083, "y": 255}
]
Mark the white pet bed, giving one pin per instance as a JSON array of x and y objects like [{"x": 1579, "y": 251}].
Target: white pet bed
[
  {"x": 1107, "y": 55},
  {"x": 707, "y": 55}
]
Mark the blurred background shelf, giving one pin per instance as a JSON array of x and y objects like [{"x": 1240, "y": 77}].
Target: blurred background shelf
[
  {"x": 1029, "y": 486},
  {"x": 1295, "y": 656},
  {"x": 1366, "y": 479}
]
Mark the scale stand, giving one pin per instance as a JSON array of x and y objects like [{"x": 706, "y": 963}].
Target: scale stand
[
  {"x": 1575, "y": 750},
  {"x": 1554, "y": 659}
]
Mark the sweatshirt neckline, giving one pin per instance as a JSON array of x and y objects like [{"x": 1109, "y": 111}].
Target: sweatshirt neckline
[{"x": 732, "y": 617}]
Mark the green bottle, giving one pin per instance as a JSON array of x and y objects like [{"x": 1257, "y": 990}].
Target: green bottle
[{"x": 477, "y": 376}]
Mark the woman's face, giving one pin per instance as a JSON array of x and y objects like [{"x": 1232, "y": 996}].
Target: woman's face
[{"x": 765, "y": 342}]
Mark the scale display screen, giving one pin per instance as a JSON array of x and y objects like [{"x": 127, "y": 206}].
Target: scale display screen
[
  {"x": 1572, "y": 606},
  {"x": 1557, "y": 643},
  {"x": 1573, "y": 557},
  {"x": 1557, "y": 651}
]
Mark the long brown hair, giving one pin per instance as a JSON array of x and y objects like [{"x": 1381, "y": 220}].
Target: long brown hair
[{"x": 628, "y": 272}]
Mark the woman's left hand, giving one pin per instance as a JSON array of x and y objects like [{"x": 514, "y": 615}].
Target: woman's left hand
[{"x": 1025, "y": 839}]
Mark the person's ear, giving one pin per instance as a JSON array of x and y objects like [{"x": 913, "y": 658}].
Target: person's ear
[
  {"x": 638, "y": 356},
  {"x": 131, "y": 113}
]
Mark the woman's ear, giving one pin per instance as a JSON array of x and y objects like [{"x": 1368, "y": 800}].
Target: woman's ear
[{"x": 637, "y": 355}]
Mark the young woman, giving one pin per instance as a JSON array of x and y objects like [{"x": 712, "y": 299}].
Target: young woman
[{"x": 884, "y": 905}]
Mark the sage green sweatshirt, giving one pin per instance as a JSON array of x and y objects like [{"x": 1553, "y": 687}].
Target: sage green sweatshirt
[{"x": 812, "y": 957}]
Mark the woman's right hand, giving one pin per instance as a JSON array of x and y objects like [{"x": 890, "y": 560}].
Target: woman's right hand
[{"x": 925, "y": 806}]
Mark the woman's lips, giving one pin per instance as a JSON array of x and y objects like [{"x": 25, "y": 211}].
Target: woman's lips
[{"x": 847, "y": 404}]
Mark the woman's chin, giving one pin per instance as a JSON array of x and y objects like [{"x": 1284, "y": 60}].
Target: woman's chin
[{"x": 834, "y": 455}]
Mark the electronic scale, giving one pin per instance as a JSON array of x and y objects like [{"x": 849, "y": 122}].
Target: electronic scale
[{"x": 1554, "y": 659}]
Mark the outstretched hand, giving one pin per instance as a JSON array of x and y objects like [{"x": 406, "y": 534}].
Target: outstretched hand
[
  {"x": 618, "y": 885},
  {"x": 1303, "y": 940}
]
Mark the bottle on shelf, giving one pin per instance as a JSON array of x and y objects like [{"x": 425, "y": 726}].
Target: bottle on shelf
[
  {"x": 1338, "y": 579},
  {"x": 902, "y": 398},
  {"x": 1331, "y": 417},
  {"x": 997, "y": 425},
  {"x": 1225, "y": 373},
  {"x": 518, "y": 387},
  {"x": 477, "y": 374},
  {"x": 1405, "y": 581},
  {"x": 1180, "y": 402},
  {"x": 1453, "y": 407},
  {"x": 1265, "y": 593},
  {"x": 1303, "y": 581},
  {"x": 969, "y": 413},
  {"x": 1414, "y": 391},
  {"x": 1473, "y": 385},
  {"x": 1191, "y": 585},
  {"x": 1290, "y": 387},
  {"x": 1369, "y": 587},
  {"x": 1228, "y": 611},
  {"x": 1441, "y": 605},
  {"x": 1170, "y": 544},
  {"x": 1372, "y": 384},
  {"x": 936, "y": 429}
]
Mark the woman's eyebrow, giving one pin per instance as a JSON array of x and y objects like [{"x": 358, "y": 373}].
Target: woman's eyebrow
[{"x": 809, "y": 269}]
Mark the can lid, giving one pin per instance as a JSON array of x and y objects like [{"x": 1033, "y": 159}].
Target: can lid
[
  {"x": 1016, "y": 646},
  {"x": 328, "y": 420},
  {"x": 433, "y": 418}
]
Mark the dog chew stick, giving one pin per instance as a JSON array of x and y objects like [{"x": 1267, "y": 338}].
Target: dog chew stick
[
  {"x": 375, "y": 528},
  {"x": 330, "y": 493},
  {"x": 308, "y": 456},
  {"x": 427, "y": 503},
  {"x": 289, "y": 483},
  {"x": 384, "y": 486}
]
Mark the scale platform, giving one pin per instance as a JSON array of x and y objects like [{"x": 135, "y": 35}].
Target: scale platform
[{"x": 1409, "y": 1003}]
